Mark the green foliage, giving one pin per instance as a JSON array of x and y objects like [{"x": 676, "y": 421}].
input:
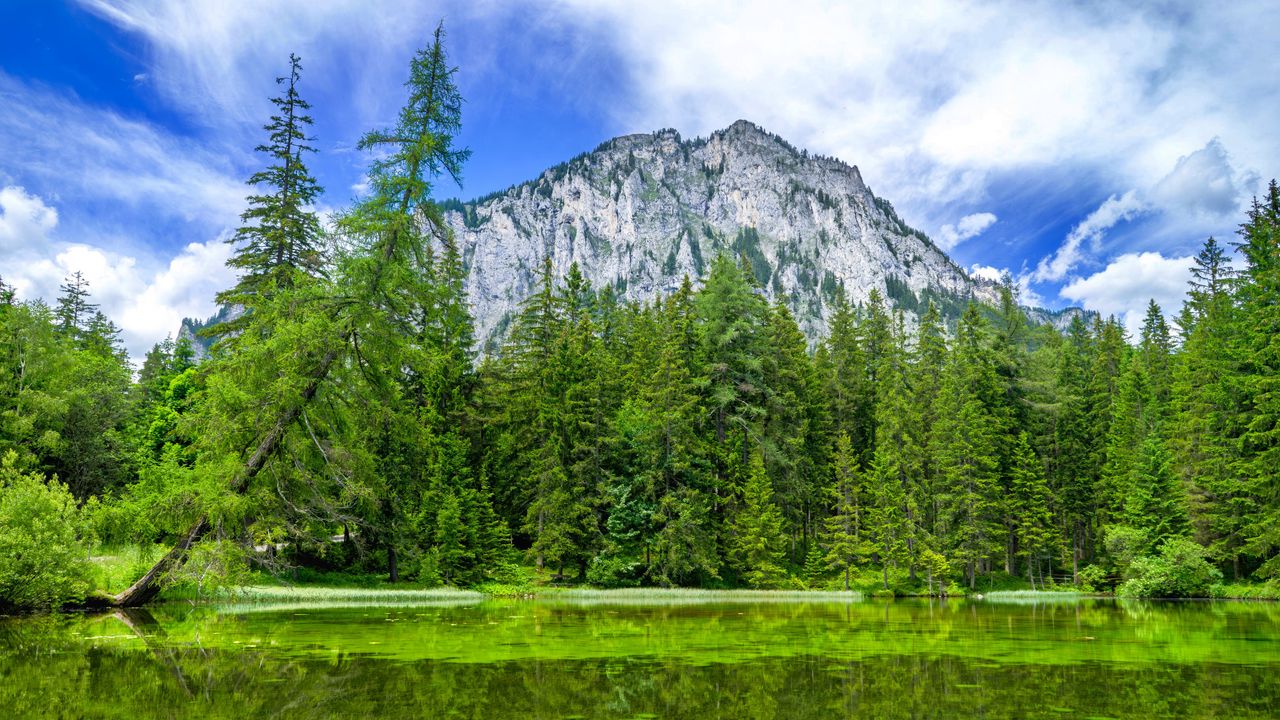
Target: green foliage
[
  {"x": 43, "y": 548},
  {"x": 641, "y": 444},
  {"x": 757, "y": 540},
  {"x": 1181, "y": 569},
  {"x": 279, "y": 243}
]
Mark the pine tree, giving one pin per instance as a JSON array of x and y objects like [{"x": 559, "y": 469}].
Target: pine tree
[
  {"x": 926, "y": 387},
  {"x": 1029, "y": 506},
  {"x": 1131, "y": 422},
  {"x": 278, "y": 245},
  {"x": 1154, "y": 349},
  {"x": 757, "y": 543},
  {"x": 732, "y": 319},
  {"x": 788, "y": 451},
  {"x": 1156, "y": 503},
  {"x": 1203, "y": 418},
  {"x": 845, "y": 534},
  {"x": 897, "y": 460},
  {"x": 1257, "y": 351},
  {"x": 845, "y": 378},
  {"x": 967, "y": 450},
  {"x": 73, "y": 309}
]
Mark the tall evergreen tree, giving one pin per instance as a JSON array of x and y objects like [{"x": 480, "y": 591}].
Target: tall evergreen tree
[
  {"x": 845, "y": 534},
  {"x": 967, "y": 450},
  {"x": 1257, "y": 350},
  {"x": 1029, "y": 506},
  {"x": 757, "y": 544},
  {"x": 278, "y": 243}
]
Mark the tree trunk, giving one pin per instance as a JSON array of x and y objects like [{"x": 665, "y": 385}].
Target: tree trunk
[{"x": 147, "y": 586}]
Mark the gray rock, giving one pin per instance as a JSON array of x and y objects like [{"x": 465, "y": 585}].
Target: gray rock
[{"x": 642, "y": 211}]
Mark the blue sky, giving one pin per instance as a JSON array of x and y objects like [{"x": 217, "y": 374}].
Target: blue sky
[{"x": 1086, "y": 148}]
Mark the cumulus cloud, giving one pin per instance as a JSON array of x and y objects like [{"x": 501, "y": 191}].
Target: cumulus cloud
[
  {"x": 969, "y": 227},
  {"x": 1112, "y": 211},
  {"x": 147, "y": 298},
  {"x": 932, "y": 105},
  {"x": 1129, "y": 282},
  {"x": 24, "y": 219},
  {"x": 1203, "y": 181}
]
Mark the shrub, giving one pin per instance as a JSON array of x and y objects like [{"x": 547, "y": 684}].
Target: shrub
[
  {"x": 43, "y": 558},
  {"x": 1180, "y": 570}
]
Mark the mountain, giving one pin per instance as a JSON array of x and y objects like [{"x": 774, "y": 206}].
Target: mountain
[
  {"x": 191, "y": 327},
  {"x": 642, "y": 211}
]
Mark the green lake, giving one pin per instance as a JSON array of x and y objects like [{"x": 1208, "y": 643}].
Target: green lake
[{"x": 604, "y": 659}]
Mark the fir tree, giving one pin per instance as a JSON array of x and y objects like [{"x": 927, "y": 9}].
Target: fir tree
[
  {"x": 278, "y": 244},
  {"x": 1029, "y": 505},
  {"x": 967, "y": 450},
  {"x": 73, "y": 309},
  {"x": 845, "y": 535},
  {"x": 757, "y": 540}
]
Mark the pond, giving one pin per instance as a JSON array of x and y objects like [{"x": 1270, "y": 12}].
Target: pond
[{"x": 605, "y": 659}]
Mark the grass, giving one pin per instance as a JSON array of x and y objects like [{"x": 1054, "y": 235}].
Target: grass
[
  {"x": 679, "y": 596},
  {"x": 1032, "y": 597},
  {"x": 115, "y": 568},
  {"x": 313, "y": 594},
  {"x": 1247, "y": 591}
]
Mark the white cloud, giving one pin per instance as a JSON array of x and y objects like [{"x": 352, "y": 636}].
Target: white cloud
[
  {"x": 1112, "y": 211},
  {"x": 969, "y": 227},
  {"x": 217, "y": 60},
  {"x": 1129, "y": 282},
  {"x": 1022, "y": 281},
  {"x": 147, "y": 300},
  {"x": 1203, "y": 181},
  {"x": 24, "y": 219},
  {"x": 98, "y": 156},
  {"x": 987, "y": 272},
  {"x": 934, "y": 103}
]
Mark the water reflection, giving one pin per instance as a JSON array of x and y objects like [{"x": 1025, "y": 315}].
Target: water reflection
[{"x": 557, "y": 659}]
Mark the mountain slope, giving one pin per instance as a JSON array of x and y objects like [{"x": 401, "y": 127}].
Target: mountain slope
[{"x": 642, "y": 211}]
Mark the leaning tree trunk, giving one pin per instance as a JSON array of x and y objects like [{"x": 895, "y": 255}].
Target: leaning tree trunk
[{"x": 147, "y": 586}]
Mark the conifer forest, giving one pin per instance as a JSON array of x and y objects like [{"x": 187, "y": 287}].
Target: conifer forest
[{"x": 346, "y": 420}]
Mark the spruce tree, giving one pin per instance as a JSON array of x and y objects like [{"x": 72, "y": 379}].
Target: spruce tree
[
  {"x": 1029, "y": 506},
  {"x": 73, "y": 309},
  {"x": 967, "y": 450},
  {"x": 279, "y": 242},
  {"x": 845, "y": 536},
  {"x": 1156, "y": 503},
  {"x": 1257, "y": 352},
  {"x": 757, "y": 541}
]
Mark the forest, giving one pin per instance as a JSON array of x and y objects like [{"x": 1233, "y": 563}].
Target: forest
[{"x": 346, "y": 421}]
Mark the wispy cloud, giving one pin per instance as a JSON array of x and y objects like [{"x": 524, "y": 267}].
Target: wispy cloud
[
  {"x": 54, "y": 143},
  {"x": 1114, "y": 210},
  {"x": 931, "y": 104},
  {"x": 967, "y": 228}
]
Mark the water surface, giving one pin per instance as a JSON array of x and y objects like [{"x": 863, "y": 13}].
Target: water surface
[{"x": 541, "y": 659}]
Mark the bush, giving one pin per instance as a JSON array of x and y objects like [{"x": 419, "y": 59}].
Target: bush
[
  {"x": 611, "y": 571},
  {"x": 1180, "y": 570},
  {"x": 43, "y": 558},
  {"x": 1092, "y": 578}
]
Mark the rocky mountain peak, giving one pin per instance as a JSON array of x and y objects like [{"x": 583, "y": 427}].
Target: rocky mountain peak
[{"x": 642, "y": 211}]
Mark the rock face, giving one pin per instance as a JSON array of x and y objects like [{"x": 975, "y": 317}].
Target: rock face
[
  {"x": 191, "y": 327},
  {"x": 642, "y": 211}
]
